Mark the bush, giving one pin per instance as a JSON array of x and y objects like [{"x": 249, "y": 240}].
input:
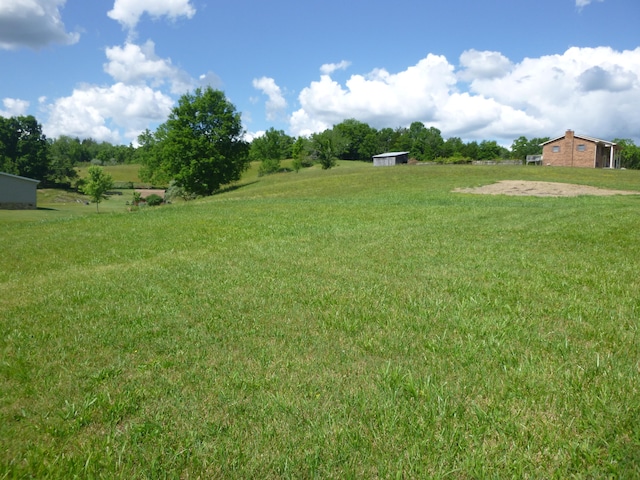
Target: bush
[
  {"x": 174, "y": 191},
  {"x": 268, "y": 166},
  {"x": 154, "y": 200},
  {"x": 454, "y": 160}
]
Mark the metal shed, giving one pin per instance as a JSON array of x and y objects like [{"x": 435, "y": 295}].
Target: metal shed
[
  {"x": 390, "y": 158},
  {"x": 16, "y": 192}
]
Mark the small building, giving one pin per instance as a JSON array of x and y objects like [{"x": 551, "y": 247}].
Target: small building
[
  {"x": 17, "y": 193},
  {"x": 573, "y": 150},
  {"x": 390, "y": 158}
]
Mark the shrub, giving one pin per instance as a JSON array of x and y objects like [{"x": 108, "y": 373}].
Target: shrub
[
  {"x": 271, "y": 165},
  {"x": 153, "y": 200}
]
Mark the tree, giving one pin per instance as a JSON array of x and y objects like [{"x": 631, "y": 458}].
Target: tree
[
  {"x": 148, "y": 155},
  {"x": 630, "y": 153},
  {"x": 202, "y": 145},
  {"x": 357, "y": 145},
  {"x": 270, "y": 148},
  {"x": 327, "y": 147},
  {"x": 24, "y": 149},
  {"x": 97, "y": 185},
  {"x": 521, "y": 147},
  {"x": 64, "y": 153},
  {"x": 490, "y": 150}
]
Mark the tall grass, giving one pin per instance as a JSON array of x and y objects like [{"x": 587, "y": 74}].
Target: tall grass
[{"x": 358, "y": 322}]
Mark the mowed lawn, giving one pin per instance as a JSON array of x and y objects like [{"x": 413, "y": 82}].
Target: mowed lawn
[{"x": 354, "y": 323}]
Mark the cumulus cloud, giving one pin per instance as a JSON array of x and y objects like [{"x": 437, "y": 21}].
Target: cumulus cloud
[
  {"x": 103, "y": 112},
  {"x": 276, "y": 103},
  {"x": 379, "y": 98},
  {"x": 590, "y": 90},
  {"x": 593, "y": 91},
  {"x": 616, "y": 79},
  {"x": 14, "y": 107},
  {"x": 484, "y": 64},
  {"x": 329, "y": 68},
  {"x": 128, "y": 12},
  {"x": 133, "y": 64},
  {"x": 33, "y": 24}
]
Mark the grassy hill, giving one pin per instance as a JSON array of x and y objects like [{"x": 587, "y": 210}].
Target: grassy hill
[{"x": 357, "y": 322}]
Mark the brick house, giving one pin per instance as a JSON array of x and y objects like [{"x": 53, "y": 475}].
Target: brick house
[{"x": 573, "y": 150}]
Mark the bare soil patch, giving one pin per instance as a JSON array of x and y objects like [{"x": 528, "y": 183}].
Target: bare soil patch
[{"x": 541, "y": 189}]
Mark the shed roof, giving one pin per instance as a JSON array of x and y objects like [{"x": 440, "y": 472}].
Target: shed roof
[
  {"x": 390, "y": 154},
  {"x": 17, "y": 177}
]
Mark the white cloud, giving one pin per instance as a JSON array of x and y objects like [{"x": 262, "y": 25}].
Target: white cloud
[
  {"x": 379, "y": 98},
  {"x": 128, "y": 12},
  {"x": 33, "y": 24},
  {"x": 593, "y": 91},
  {"x": 329, "y": 68},
  {"x": 107, "y": 113},
  {"x": 276, "y": 102},
  {"x": 133, "y": 64},
  {"x": 583, "y": 3},
  {"x": 14, "y": 107},
  {"x": 590, "y": 90},
  {"x": 484, "y": 64}
]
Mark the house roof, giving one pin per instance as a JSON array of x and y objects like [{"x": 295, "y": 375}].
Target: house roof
[
  {"x": 17, "y": 177},
  {"x": 390, "y": 154},
  {"x": 583, "y": 137}
]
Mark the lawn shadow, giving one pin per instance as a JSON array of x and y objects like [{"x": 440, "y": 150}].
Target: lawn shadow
[{"x": 231, "y": 188}]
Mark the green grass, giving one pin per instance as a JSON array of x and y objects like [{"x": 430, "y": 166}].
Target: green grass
[
  {"x": 120, "y": 173},
  {"x": 349, "y": 323}
]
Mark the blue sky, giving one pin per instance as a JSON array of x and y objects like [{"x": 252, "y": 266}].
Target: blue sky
[{"x": 479, "y": 70}]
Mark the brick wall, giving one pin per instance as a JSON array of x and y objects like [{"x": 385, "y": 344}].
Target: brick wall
[{"x": 572, "y": 152}]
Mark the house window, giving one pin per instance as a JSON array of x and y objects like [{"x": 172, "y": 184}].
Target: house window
[
  {"x": 556, "y": 149},
  {"x": 581, "y": 147}
]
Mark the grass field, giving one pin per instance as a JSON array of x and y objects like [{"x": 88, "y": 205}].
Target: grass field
[{"x": 353, "y": 323}]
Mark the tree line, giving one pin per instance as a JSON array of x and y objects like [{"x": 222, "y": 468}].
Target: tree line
[{"x": 202, "y": 147}]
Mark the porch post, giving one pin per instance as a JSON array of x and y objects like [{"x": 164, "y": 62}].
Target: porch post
[{"x": 611, "y": 164}]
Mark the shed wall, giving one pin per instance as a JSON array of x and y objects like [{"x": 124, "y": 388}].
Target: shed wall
[{"x": 17, "y": 193}]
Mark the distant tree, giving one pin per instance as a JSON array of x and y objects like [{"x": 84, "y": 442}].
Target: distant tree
[
  {"x": 24, "y": 149},
  {"x": 97, "y": 184},
  {"x": 452, "y": 147},
  {"x": 421, "y": 142},
  {"x": 490, "y": 150},
  {"x": 270, "y": 148},
  {"x": 357, "y": 136},
  {"x": 64, "y": 154},
  {"x": 386, "y": 140},
  {"x": 327, "y": 147},
  {"x": 521, "y": 147},
  {"x": 201, "y": 145},
  {"x": 471, "y": 150},
  {"x": 630, "y": 153}
]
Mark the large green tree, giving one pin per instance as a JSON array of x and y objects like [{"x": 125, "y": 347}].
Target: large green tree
[
  {"x": 359, "y": 136},
  {"x": 202, "y": 145},
  {"x": 24, "y": 149}
]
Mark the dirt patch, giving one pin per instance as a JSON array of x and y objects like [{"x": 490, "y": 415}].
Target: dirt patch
[{"x": 541, "y": 189}]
